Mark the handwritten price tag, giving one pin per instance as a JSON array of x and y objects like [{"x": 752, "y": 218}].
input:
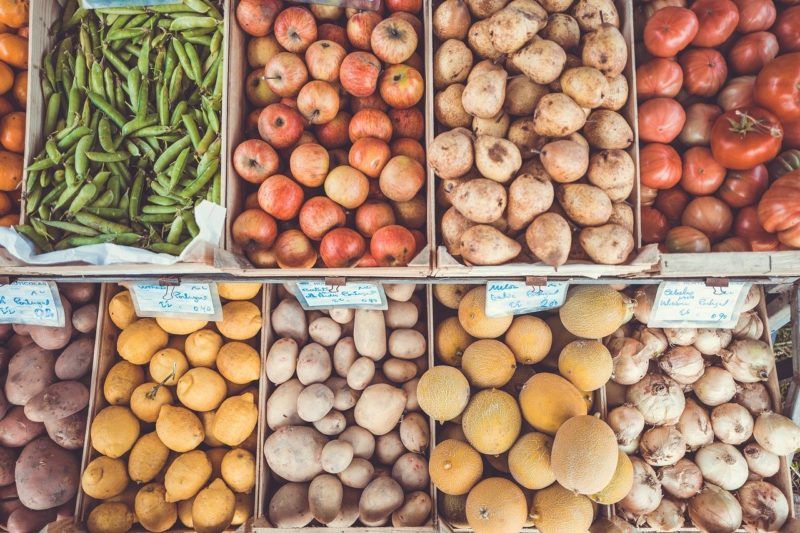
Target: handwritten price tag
[
  {"x": 187, "y": 300},
  {"x": 319, "y": 295},
  {"x": 101, "y": 4},
  {"x": 505, "y": 298},
  {"x": 694, "y": 304},
  {"x": 31, "y": 302}
]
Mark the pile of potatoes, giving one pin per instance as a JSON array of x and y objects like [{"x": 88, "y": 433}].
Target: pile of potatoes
[
  {"x": 176, "y": 437},
  {"x": 45, "y": 376},
  {"x": 348, "y": 443},
  {"x": 531, "y": 151}
]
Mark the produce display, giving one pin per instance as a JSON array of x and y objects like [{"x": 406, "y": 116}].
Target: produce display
[
  {"x": 174, "y": 438},
  {"x": 348, "y": 444},
  {"x": 717, "y": 87},
  {"x": 45, "y": 372},
  {"x": 531, "y": 151},
  {"x": 334, "y": 155}
]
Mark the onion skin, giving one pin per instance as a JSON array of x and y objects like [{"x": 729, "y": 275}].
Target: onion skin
[
  {"x": 695, "y": 425},
  {"x": 761, "y": 462},
  {"x": 715, "y": 509},
  {"x": 643, "y": 302},
  {"x": 668, "y": 516},
  {"x": 752, "y": 299},
  {"x": 748, "y": 360},
  {"x": 723, "y": 465},
  {"x": 658, "y": 398},
  {"x": 764, "y": 506},
  {"x": 715, "y": 387},
  {"x": 732, "y": 423},
  {"x": 749, "y": 326},
  {"x": 754, "y": 397},
  {"x": 654, "y": 340},
  {"x": 627, "y": 423},
  {"x": 684, "y": 364},
  {"x": 630, "y": 360},
  {"x": 662, "y": 446},
  {"x": 711, "y": 341},
  {"x": 681, "y": 336},
  {"x": 681, "y": 480},
  {"x": 776, "y": 433},
  {"x": 645, "y": 495}
]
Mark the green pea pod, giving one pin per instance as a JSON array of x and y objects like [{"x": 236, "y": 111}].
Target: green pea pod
[
  {"x": 206, "y": 141},
  {"x": 198, "y": 6},
  {"x": 167, "y": 248},
  {"x": 86, "y": 114},
  {"x": 138, "y": 123},
  {"x": 32, "y": 200},
  {"x": 71, "y": 227},
  {"x": 121, "y": 10},
  {"x": 100, "y": 224},
  {"x": 157, "y": 218},
  {"x": 27, "y": 231},
  {"x": 124, "y": 201},
  {"x": 132, "y": 148},
  {"x": 191, "y": 128},
  {"x": 158, "y": 188},
  {"x": 86, "y": 44},
  {"x": 161, "y": 200},
  {"x": 152, "y": 131},
  {"x": 66, "y": 197},
  {"x": 51, "y": 114},
  {"x": 73, "y": 102},
  {"x": 70, "y": 130},
  {"x": 51, "y": 149},
  {"x": 104, "y": 200},
  {"x": 126, "y": 239},
  {"x": 200, "y": 181},
  {"x": 215, "y": 191},
  {"x": 142, "y": 100},
  {"x": 81, "y": 157},
  {"x": 136, "y": 196},
  {"x": 159, "y": 209},
  {"x": 113, "y": 213},
  {"x": 125, "y": 34},
  {"x": 175, "y": 230},
  {"x": 96, "y": 82},
  {"x": 143, "y": 63},
  {"x": 175, "y": 83},
  {"x": 183, "y": 59},
  {"x": 70, "y": 174},
  {"x": 86, "y": 195},
  {"x": 54, "y": 193},
  {"x": 212, "y": 153},
  {"x": 136, "y": 22},
  {"x": 198, "y": 40},
  {"x": 76, "y": 18},
  {"x": 80, "y": 71},
  {"x": 147, "y": 150},
  {"x": 116, "y": 62},
  {"x": 105, "y": 157},
  {"x": 194, "y": 61},
  {"x": 169, "y": 9},
  {"x": 162, "y": 104},
  {"x": 110, "y": 89},
  {"x": 133, "y": 80},
  {"x": 159, "y": 39},
  {"x": 170, "y": 61},
  {"x": 177, "y": 169},
  {"x": 188, "y": 35},
  {"x": 49, "y": 69},
  {"x": 211, "y": 117},
  {"x": 110, "y": 111},
  {"x": 211, "y": 72},
  {"x": 101, "y": 178},
  {"x": 170, "y": 154},
  {"x": 190, "y": 223},
  {"x": 191, "y": 22},
  {"x": 104, "y": 135},
  {"x": 216, "y": 42},
  {"x": 119, "y": 92},
  {"x": 177, "y": 113}
]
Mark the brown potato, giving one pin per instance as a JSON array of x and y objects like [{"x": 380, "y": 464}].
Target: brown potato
[
  {"x": 549, "y": 238},
  {"x": 448, "y": 109},
  {"x": 496, "y": 126},
  {"x": 497, "y": 159},
  {"x": 608, "y": 130},
  {"x": 522, "y": 133},
  {"x": 586, "y": 205},
  {"x": 563, "y": 30},
  {"x": 450, "y": 154},
  {"x": 452, "y": 62},
  {"x": 622, "y": 215},
  {"x": 614, "y": 172},
  {"x": 566, "y": 161},
  {"x": 485, "y": 245},
  {"x": 557, "y": 115},
  {"x": 605, "y": 49},
  {"x": 485, "y": 8},
  {"x": 480, "y": 40},
  {"x": 484, "y": 94},
  {"x": 541, "y": 60},
  {"x": 586, "y": 85},
  {"x": 609, "y": 244},
  {"x": 325, "y": 497},
  {"x": 481, "y": 200},
  {"x": 592, "y": 14},
  {"x": 76, "y": 359},
  {"x": 529, "y": 196},
  {"x": 522, "y": 95}
]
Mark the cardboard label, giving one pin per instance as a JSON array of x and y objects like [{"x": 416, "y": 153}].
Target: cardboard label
[
  {"x": 37, "y": 303},
  {"x": 187, "y": 300},
  {"x": 104, "y": 4},
  {"x": 505, "y": 298},
  {"x": 689, "y": 304},
  {"x": 319, "y": 295}
]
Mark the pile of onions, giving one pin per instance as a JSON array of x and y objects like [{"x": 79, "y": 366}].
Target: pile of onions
[
  {"x": 752, "y": 299},
  {"x": 776, "y": 433},
  {"x": 749, "y": 326},
  {"x": 760, "y": 461},
  {"x": 695, "y": 425},
  {"x": 654, "y": 340},
  {"x": 684, "y": 364},
  {"x": 711, "y": 341},
  {"x": 643, "y": 298},
  {"x": 668, "y": 516},
  {"x": 681, "y": 480},
  {"x": 723, "y": 465},
  {"x": 630, "y": 360},
  {"x": 715, "y": 387},
  {"x": 732, "y": 423},
  {"x": 681, "y": 336},
  {"x": 645, "y": 494},
  {"x": 627, "y": 423},
  {"x": 764, "y": 506},
  {"x": 754, "y": 397},
  {"x": 662, "y": 446},
  {"x": 658, "y": 398},
  {"x": 748, "y": 360},
  {"x": 715, "y": 509}
]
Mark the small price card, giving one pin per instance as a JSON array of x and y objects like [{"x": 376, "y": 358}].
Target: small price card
[
  {"x": 104, "y": 4},
  {"x": 505, "y": 298},
  {"x": 187, "y": 300},
  {"x": 320, "y": 295},
  {"x": 31, "y": 302},
  {"x": 693, "y": 304}
]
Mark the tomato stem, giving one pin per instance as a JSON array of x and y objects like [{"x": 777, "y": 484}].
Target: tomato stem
[{"x": 747, "y": 123}]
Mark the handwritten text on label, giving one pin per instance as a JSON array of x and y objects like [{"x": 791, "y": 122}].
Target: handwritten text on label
[
  {"x": 694, "y": 304},
  {"x": 187, "y": 300},
  {"x": 514, "y": 298},
  {"x": 31, "y": 302},
  {"x": 319, "y": 295}
]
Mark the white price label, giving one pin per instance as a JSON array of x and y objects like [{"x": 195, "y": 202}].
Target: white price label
[
  {"x": 187, "y": 300},
  {"x": 103, "y": 4},
  {"x": 320, "y": 295},
  {"x": 31, "y": 302},
  {"x": 505, "y": 298},
  {"x": 694, "y": 304}
]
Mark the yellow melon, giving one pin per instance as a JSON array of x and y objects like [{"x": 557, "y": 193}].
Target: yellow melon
[
  {"x": 238, "y": 291},
  {"x": 442, "y": 392},
  {"x": 496, "y": 505},
  {"x": 488, "y": 363},
  {"x": 450, "y": 294},
  {"x": 455, "y": 467},
  {"x": 558, "y": 510},
  {"x": 491, "y": 421},
  {"x": 472, "y": 315},
  {"x": 585, "y": 454},
  {"x": 529, "y": 461},
  {"x": 450, "y": 341},
  {"x": 586, "y": 364},
  {"x": 620, "y": 485},
  {"x": 548, "y": 400},
  {"x": 180, "y": 326},
  {"x": 594, "y": 311},
  {"x": 529, "y": 337}
]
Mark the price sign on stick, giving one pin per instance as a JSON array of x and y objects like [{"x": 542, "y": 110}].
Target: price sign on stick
[
  {"x": 505, "y": 298},
  {"x": 187, "y": 300},
  {"x": 693, "y": 304},
  {"x": 31, "y": 302},
  {"x": 320, "y": 295}
]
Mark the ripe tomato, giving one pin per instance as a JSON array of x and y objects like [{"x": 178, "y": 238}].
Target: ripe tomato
[
  {"x": 685, "y": 239},
  {"x": 710, "y": 215},
  {"x": 718, "y": 20},
  {"x": 660, "y": 120},
  {"x": 755, "y": 15},
  {"x": 672, "y": 202},
  {"x": 744, "y": 187},
  {"x": 743, "y": 138},
  {"x": 737, "y": 93},
  {"x": 660, "y": 166},
  {"x": 747, "y": 226},
  {"x": 704, "y": 71},
  {"x": 669, "y": 31},
  {"x": 701, "y": 173},
  {"x": 778, "y": 86},
  {"x": 732, "y": 244},
  {"x": 779, "y": 209},
  {"x": 654, "y": 225},
  {"x": 658, "y": 77},
  {"x": 752, "y": 51},
  {"x": 787, "y": 29},
  {"x": 700, "y": 118},
  {"x": 791, "y": 133}
]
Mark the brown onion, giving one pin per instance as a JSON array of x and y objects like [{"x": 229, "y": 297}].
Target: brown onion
[
  {"x": 630, "y": 360},
  {"x": 748, "y": 360},
  {"x": 723, "y": 465},
  {"x": 647, "y": 195},
  {"x": 643, "y": 298},
  {"x": 749, "y": 326},
  {"x": 710, "y": 215},
  {"x": 715, "y": 509},
  {"x": 668, "y": 516},
  {"x": 764, "y": 506},
  {"x": 761, "y": 462},
  {"x": 732, "y": 423},
  {"x": 662, "y": 446},
  {"x": 711, "y": 341},
  {"x": 654, "y": 340},
  {"x": 681, "y": 336},
  {"x": 754, "y": 397},
  {"x": 737, "y": 93},
  {"x": 658, "y": 398},
  {"x": 776, "y": 433},
  {"x": 715, "y": 387},
  {"x": 752, "y": 300},
  {"x": 684, "y": 364},
  {"x": 627, "y": 423},
  {"x": 695, "y": 425},
  {"x": 681, "y": 480},
  {"x": 700, "y": 118},
  {"x": 645, "y": 494}
]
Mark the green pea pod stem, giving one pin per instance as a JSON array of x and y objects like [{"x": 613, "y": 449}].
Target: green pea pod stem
[
  {"x": 86, "y": 195},
  {"x": 105, "y": 157},
  {"x": 110, "y": 111},
  {"x": 100, "y": 224}
]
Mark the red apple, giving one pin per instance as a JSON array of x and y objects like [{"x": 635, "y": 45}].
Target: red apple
[
  {"x": 411, "y": 214},
  {"x": 251, "y": 122},
  {"x": 254, "y": 228},
  {"x": 325, "y": 12},
  {"x": 393, "y": 40},
  {"x": 294, "y": 250},
  {"x": 408, "y": 123},
  {"x": 261, "y": 49},
  {"x": 401, "y": 86},
  {"x": 280, "y": 196},
  {"x": 359, "y": 28},
  {"x": 409, "y": 6},
  {"x": 342, "y": 248},
  {"x": 401, "y": 178},
  {"x": 262, "y": 257},
  {"x": 373, "y": 101},
  {"x": 295, "y": 28},
  {"x": 367, "y": 261},
  {"x": 323, "y": 59},
  {"x": 369, "y": 155},
  {"x": 309, "y": 164},
  {"x": 346, "y": 186},
  {"x": 286, "y": 74},
  {"x": 319, "y": 215},
  {"x": 280, "y": 125},
  {"x": 318, "y": 102},
  {"x": 370, "y": 123},
  {"x": 419, "y": 240},
  {"x": 254, "y": 160},
  {"x": 332, "y": 32},
  {"x": 334, "y": 134},
  {"x": 414, "y": 20},
  {"x": 256, "y": 16},
  {"x": 393, "y": 246},
  {"x": 257, "y": 89},
  {"x": 251, "y": 201},
  {"x": 372, "y": 216},
  {"x": 359, "y": 73},
  {"x": 409, "y": 147}
]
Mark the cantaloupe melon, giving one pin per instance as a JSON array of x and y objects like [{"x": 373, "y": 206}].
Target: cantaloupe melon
[
  {"x": 488, "y": 363},
  {"x": 548, "y": 400},
  {"x": 496, "y": 505},
  {"x": 586, "y": 364},
  {"x": 585, "y": 454},
  {"x": 442, "y": 392},
  {"x": 454, "y": 510},
  {"x": 491, "y": 421},
  {"x": 530, "y": 339},
  {"x": 594, "y": 311},
  {"x": 455, "y": 467},
  {"x": 558, "y": 510},
  {"x": 450, "y": 294},
  {"x": 620, "y": 485},
  {"x": 450, "y": 341},
  {"x": 529, "y": 461},
  {"x": 472, "y": 315}
]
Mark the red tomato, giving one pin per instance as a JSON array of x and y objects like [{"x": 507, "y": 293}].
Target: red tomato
[
  {"x": 718, "y": 20},
  {"x": 700, "y": 118},
  {"x": 660, "y": 166},
  {"x": 747, "y": 226},
  {"x": 656, "y": 5},
  {"x": 701, "y": 173},
  {"x": 672, "y": 202},
  {"x": 791, "y": 134},
  {"x": 746, "y": 137},
  {"x": 744, "y": 187},
  {"x": 787, "y": 29},
  {"x": 669, "y": 31},
  {"x": 685, "y": 239},
  {"x": 704, "y": 71},
  {"x": 660, "y": 120},
  {"x": 658, "y": 77},
  {"x": 710, "y": 215},
  {"x": 737, "y": 93},
  {"x": 732, "y": 244},
  {"x": 654, "y": 225},
  {"x": 752, "y": 51},
  {"x": 779, "y": 208},
  {"x": 778, "y": 86},
  {"x": 755, "y": 15}
]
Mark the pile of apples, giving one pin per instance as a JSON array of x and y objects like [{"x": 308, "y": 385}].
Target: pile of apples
[{"x": 333, "y": 141}]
